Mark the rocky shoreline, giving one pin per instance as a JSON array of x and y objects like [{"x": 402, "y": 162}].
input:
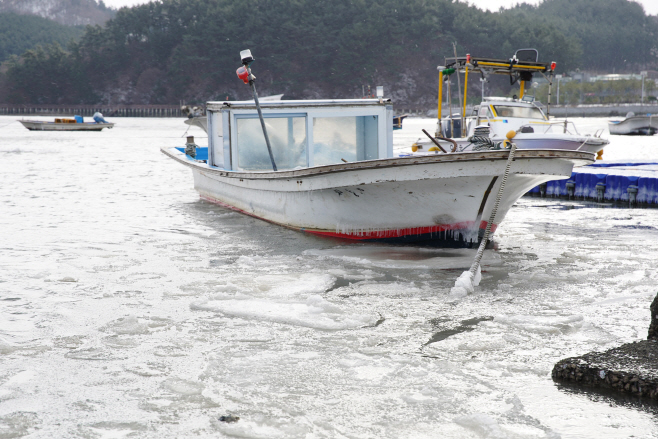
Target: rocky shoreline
[{"x": 630, "y": 369}]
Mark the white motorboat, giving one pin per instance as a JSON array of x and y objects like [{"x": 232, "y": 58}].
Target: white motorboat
[
  {"x": 495, "y": 117},
  {"x": 64, "y": 124},
  {"x": 498, "y": 116},
  {"x": 337, "y": 176},
  {"x": 632, "y": 125}
]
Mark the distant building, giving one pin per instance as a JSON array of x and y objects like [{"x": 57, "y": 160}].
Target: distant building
[{"x": 614, "y": 77}]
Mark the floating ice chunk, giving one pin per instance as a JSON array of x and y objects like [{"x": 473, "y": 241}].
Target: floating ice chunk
[
  {"x": 315, "y": 312},
  {"x": 6, "y": 347},
  {"x": 183, "y": 387},
  {"x": 258, "y": 426},
  {"x": 484, "y": 425},
  {"x": 127, "y": 325},
  {"x": 317, "y": 304},
  {"x": 20, "y": 378},
  {"x": 542, "y": 324},
  {"x": 67, "y": 279}
]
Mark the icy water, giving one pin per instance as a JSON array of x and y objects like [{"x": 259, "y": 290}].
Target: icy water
[{"x": 130, "y": 308}]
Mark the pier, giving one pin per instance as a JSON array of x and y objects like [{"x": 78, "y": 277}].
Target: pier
[{"x": 89, "y": 110}]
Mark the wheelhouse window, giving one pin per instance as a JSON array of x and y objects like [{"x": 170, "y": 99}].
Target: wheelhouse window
[
  {"x": 344, "y": 139},
  {"x": 287, "y": 137},
  {"x": 485, "y": 112},
  {"x": 521, "y": 112}
]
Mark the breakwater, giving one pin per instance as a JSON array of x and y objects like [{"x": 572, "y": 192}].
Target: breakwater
[
  {"x": 630, "y": 368},
  {"x": 89, "y": 110},
  {"x": 606, "y": 110},
  {"x": 612, "y": 110}
]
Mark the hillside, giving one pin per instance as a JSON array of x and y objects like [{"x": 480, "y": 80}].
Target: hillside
[
  {"x": 19, "y": 33},
  {"x": 175, "y": 50},
  {"x": 66, "y": 12}
]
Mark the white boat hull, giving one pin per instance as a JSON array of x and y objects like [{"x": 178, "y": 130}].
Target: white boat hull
[
  {"x": 444, "y": 198},
  {"x": 636, "y": 125},
  {"x": 34, "y": 125}
]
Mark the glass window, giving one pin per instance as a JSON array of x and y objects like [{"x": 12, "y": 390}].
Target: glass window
[
  {"x": 287, "y": 137},
  {"x": 346, "y": 138},
  {"x": 524, "y": 112}
]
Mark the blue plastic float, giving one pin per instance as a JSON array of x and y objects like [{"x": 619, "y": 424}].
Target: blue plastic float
[{"x": 628, "y": 182}]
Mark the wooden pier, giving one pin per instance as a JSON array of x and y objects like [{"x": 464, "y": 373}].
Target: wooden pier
[{"x": 89, "y": 110}]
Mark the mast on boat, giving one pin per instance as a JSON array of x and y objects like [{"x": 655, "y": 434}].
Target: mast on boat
[{"x": 521, "y": 67}]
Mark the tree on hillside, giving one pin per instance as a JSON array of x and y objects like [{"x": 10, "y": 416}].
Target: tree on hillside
[
  {"x": 174, "y": 50},
  {"x": 19, "y": 33}
]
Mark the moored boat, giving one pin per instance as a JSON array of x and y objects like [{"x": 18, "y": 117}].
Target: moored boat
[
  {"x": 65, "y": 124},
  {"x": 336, "y": 174},
  {"x": 632, "y": 125},
  {"x": 490, "y": 121}
]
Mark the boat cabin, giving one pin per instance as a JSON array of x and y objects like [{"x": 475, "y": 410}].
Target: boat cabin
[
  {"x": 301, "y": 133},
  {"x": 501, "y": 115}
]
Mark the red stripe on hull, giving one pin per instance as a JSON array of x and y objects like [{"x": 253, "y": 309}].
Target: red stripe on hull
[{"x": 375, "y": 234}]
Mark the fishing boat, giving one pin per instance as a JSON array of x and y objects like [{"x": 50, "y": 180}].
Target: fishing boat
[
  {"x": 327, "y": 167},
  {"x": 397, "y": 121},
  {"x": 632, "y": 125},
  {"x": 490, "y": 122},
  {"x": 65, "y": 124}
]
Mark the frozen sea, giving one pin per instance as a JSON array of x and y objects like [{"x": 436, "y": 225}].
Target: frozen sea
[{"x": 131, "y": 308}]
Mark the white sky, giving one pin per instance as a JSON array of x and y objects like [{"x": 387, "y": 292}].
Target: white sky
[{"x": 650, "y": 6}]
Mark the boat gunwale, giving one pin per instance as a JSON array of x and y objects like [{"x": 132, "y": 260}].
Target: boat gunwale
[{"x": 392, "y": 162}]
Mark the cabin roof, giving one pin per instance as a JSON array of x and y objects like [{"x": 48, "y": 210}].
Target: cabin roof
[{"x": 223, "y": 105}]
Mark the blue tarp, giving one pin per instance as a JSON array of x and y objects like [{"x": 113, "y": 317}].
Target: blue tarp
[{"x": 201, "y": 153}]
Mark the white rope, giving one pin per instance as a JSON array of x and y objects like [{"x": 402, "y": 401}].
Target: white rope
[
  {"x": 469, "y": 279},
  {"x": 487, "y": 230}
]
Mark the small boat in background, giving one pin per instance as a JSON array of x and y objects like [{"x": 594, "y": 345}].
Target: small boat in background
[
  {"x": 634, "y": 125},
  {"x": 397, "y": 121},
  {"x": 75, "y": 123}
]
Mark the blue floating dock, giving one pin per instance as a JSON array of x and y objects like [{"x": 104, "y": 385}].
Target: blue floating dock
[{"x": 635, "y": 183}]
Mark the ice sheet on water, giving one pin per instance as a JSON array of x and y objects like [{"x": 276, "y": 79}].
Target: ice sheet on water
[
  {"x": 112, "y": 430},
  {"x": 392, "y": 257},
  {"x": 483, "y": 425},
  {"x": 280, "y": 285},
  {"x": 260, "y": 426},
  {"x": 18, "y": 424},
  {"x": 128, "y": 325},
  {"x": 315, "y": 312},
  {"x": 542, "y": 324}
]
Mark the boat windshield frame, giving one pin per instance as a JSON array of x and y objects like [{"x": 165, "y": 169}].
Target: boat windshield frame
[
  {"x": 504, "y": 110},
  {"x": 374, "y": 127}
]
